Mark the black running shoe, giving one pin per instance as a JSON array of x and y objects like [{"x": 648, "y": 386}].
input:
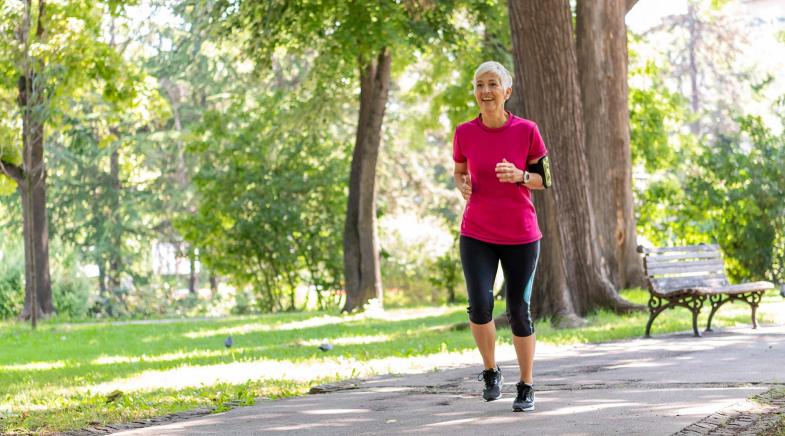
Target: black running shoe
[
  {"x": 493, "y": 383},
  {"x": 524, "y": 402}
]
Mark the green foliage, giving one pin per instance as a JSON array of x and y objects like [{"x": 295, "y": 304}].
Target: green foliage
[
  {"x": 446, "y": 272},
  {"x": 738, "y": 188},
  {"x": 70, "y": 296},
  {"x": 657, "y": 117},
  {"x": 103, "y": 195},
  {"x": 445, "y": 73},
  {"x": 12, "y": 287},
  {"x": 730, "y": 193},
  {"x": 70, "y": 289},
  {"x": 270, "y": 190},
  {"x": 328, "y": 28}
]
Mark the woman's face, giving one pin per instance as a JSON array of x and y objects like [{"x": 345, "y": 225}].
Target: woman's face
[{"x": 489, "y": 93}]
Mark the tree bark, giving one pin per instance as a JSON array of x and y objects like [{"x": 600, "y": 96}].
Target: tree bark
[
  {"x": 192, "y": 276},
  {"x": 692, "y": 47},
  {"x": 213, "y": 279},
  {"x": 32, "y": 190},
  {"x": 602, "y": 65},
  {"x": 115, "y": 228},
  {"x": 362, "y": 272},
  {"x": 571, "y": 280}
]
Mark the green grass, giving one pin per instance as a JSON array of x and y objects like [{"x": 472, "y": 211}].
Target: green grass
[{"x": 57, "y": 377}]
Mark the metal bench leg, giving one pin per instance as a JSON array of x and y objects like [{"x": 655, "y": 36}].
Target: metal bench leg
[
  {"x": 655, "y": 308},
  {"x": 755, "y": 298},
  {"x": 694, "y": 303},
  {"x": 695, "y": 312},
  {"x": 716, "y": 302}
]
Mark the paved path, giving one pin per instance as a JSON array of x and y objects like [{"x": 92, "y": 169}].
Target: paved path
[{"x": 643, "y": 386}]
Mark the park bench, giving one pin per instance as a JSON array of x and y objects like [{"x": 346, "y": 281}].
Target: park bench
[{"x": 689, "y": 275}]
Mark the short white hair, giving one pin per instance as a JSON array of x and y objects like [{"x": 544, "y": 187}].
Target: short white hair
[{"x": 496, "y": 68}]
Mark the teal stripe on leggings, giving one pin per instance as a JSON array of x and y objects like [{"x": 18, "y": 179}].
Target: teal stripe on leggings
[{"x": 527, "y": 291}]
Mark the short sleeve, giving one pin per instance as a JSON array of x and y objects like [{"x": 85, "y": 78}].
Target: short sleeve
[
  {"x": 457, "y": 152},
  {"x": 536, "y": 145}
]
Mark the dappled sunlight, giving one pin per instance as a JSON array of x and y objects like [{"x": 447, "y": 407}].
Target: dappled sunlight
[
  {"x": 638, "y": 364},
  {"x": 342, "y": 423},
  {"x": 383, "y": 315},
  {"x": 267, "y": 369},
  {"x": 333, "y": 411},
  {"x": 453, "y": 422},
  {"x": 226, "y": 331},
  {"x": 182, "y": 355},
  {"x": 349, "y": 340},
  {"x": 593, "y": 407},
  {"x": 708, "y": 404},
  {"x": 324, "y": 320},
  {"x": 33, "y": 366}
]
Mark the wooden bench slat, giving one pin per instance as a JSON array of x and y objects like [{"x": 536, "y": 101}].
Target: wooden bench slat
[
  {"x": 707, "y": 266},
  {"x": 683, "y": 248},
  {"x": 741, "y": 288},
  {"x": 683, "y": 257},
  {"x": 676, "y": 283}
]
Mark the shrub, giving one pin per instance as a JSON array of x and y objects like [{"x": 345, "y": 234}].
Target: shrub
[
  {"x": 12, "y": 293},
  {"x": 70, "y": 295}
]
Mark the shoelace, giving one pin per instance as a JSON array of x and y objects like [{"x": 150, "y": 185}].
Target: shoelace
[
  {"x": 488, "y": 376},
  {"x": 525, "y": 392}
]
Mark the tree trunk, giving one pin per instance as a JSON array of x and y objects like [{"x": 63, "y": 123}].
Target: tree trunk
[
  {"x": 32, "y": 190},
  {"x": 362, "y": 272},
  {"x": 32, "y": 183},
  {"x": 102, "y": 290},
  {"x": 213, "y": 283},
  {"x": 571, "y": 280},
  {"x": 115, "y": 226},
  {"x": 602, "y": 65},
  {"x": 192, "y": 277},
  {"x": 693, "y": 27}
]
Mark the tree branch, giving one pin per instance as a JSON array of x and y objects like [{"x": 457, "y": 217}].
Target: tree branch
[
  {"x": 12, "y": 171},
  {"x": 630, "y": 4}
]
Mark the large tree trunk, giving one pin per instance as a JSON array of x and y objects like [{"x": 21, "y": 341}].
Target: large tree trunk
[
  {"x": 32, "y": 180},
  {"x": 362, "y": 272},
  {"x": 570, "y": 273},
  {"x": 602, "y": 65},
  {"x": 32, "y": 190}
]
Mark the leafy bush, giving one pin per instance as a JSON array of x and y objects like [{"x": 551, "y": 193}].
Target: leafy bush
[
  {"x": 446, "y": 271},
  {"x": 271, "y": 201},
  {"x": 738, "y": 189},
  {"x": 12, "y": 293},
  {"x": 70, "y": 295}
]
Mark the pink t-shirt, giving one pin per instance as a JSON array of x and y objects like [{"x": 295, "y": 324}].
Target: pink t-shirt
[{"x": 499, "y": 213}]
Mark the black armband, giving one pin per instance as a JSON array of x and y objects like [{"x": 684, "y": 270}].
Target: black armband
[{"x": 543, "y": 168}]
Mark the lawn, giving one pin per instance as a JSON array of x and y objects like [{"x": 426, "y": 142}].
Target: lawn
[{"x": 62, "y": 376}]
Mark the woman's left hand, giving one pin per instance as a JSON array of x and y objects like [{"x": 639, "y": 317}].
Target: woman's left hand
[{"x": 508, "y": 173}]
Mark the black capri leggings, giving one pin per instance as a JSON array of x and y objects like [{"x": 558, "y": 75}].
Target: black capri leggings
[{"x": 480, "y": 261}]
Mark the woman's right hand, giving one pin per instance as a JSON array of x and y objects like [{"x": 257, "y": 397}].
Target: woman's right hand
[{"x": 466, "y": 187}]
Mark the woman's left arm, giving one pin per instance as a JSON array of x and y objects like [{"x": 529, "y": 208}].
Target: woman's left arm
[
  {"x": 507, "y": 172},
  {"x": 535, "y": 180}
]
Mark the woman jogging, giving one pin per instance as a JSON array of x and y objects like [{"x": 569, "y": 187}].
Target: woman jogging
[{"x": 499, "y": 158}]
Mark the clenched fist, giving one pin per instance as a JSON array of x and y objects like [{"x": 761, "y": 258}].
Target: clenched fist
[{"x": 466, "y": 187}]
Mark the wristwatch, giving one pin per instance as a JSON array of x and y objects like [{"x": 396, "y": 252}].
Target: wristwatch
[{"x": 525, "y": 176}]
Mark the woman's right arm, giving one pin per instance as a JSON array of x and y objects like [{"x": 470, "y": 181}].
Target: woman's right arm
[{"x": 462, "y": 179}]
